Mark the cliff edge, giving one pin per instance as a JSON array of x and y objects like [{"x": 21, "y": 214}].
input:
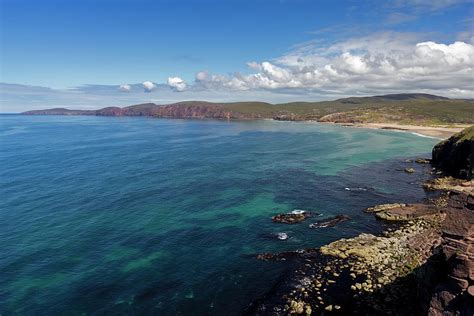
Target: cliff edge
[{"x": 455, "y": 156}]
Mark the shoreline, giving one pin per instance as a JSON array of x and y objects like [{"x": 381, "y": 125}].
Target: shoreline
[
  {"x": 438, "y": 132},
  {"x": 424, "y": 258},
  {"x": 420, "y": 259}
]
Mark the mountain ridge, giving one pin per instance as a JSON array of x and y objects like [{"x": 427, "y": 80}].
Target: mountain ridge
[{"x": 414, "y": 108}]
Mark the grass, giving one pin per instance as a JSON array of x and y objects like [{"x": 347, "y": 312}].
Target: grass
[
  {"x": 416, "y": 109},
  {"x": 466, "y": 134},
  {"x": 370, "y": 110}
]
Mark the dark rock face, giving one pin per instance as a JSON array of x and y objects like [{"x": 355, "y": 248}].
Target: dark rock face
[
  {"x": 452, "y": 295},
  {"x": 455, "y": 156}
]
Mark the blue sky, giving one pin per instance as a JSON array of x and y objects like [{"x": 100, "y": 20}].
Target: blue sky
[{"x": 78, "y": 53}]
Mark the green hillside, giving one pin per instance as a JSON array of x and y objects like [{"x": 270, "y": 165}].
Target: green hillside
[{"x": 417, "y": 109}]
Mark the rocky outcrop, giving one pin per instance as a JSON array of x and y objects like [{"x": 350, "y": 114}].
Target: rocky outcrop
[
  {"x": 364, "y": 275},
  {"x": 330, "y": 222},
  {"x": 423, "y": 266},
  {"x": 454, "y": 294},
  {"x": 426, "y": 262},
  {"x": 448, "y": 184},
  {"x": 455, "y": 156},
  {"x": 408, "y": 212},
  {"x": 384, "y": 207},
  {"x": 292, "y": 217}
]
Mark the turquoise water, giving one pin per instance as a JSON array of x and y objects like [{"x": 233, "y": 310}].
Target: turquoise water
[{"x": 139, "y": 216}]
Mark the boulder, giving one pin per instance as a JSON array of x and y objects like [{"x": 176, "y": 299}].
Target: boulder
[
  {"x": 292, "y": 217},
  {"x": 423, "y": 161}
]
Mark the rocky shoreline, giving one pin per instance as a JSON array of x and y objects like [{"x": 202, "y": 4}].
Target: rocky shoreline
[
  {"x": 426, "y": 261},
  {"x": 423, "y": 264}
]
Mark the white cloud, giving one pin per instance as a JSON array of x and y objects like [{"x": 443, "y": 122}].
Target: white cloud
[
  {"x": 148, "y": 86},
  {"x": 177, "y": 83},
  {"x": 125, "y": 88},
  {"x": 380, "y": 63}
]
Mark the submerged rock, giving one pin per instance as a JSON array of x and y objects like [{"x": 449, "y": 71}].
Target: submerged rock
[
  {"x": 409, "y": 170},
  {"x": 286, "y": 255},
  {"x": 330, "y": 222},
  {"x": 423, "y": 161},
  {"x": 293, "y": 217}
]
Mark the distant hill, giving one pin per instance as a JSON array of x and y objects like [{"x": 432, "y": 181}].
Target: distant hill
[
  {"x": 418, "y": 109},
  {"x": 410, "y": 96}
]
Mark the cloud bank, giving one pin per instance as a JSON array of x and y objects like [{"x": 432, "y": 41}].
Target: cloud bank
[{"x": 386, "y": 62}]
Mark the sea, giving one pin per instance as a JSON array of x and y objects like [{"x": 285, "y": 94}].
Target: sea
[{"x": 146, "y": 216}]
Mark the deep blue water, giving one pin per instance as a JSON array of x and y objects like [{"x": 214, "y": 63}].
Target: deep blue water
[{"x": 151, "y": 216}]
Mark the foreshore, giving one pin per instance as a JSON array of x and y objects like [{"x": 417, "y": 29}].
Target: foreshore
[
  {"x": 441, "y": 131},
  {"x": 424, "y": 259}
]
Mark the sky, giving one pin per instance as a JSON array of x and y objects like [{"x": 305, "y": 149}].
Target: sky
[{"x": 90, "y": 54}]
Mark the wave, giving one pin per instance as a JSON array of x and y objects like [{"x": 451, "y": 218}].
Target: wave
[{"x": 425, "y": 136}]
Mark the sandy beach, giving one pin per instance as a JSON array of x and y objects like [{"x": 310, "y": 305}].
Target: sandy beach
[{"x": 441, "y": 132}]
